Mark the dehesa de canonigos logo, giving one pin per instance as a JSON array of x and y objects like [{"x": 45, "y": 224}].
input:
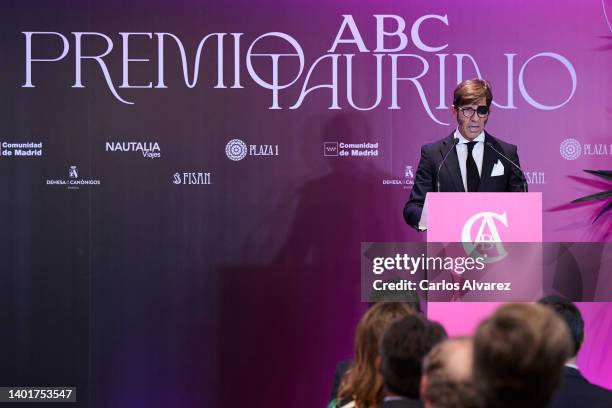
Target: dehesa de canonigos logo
[{"x": 74, "y": 181}]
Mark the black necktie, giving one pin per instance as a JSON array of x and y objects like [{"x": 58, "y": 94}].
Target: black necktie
[{"x": 473, "y": 178}]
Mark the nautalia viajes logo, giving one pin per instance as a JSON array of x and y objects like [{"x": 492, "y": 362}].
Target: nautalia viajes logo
[
  {"x": 73, "y": 182},
  {"x": 148, "y": 150},
  {"x": 237, "y": 150}
]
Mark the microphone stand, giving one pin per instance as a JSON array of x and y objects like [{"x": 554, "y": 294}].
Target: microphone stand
[{"x": 455, "y": 141}]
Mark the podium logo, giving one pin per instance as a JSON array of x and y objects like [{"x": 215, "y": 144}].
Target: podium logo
[
  {"x": 330, "y": 148},
  {"x": 570, "y": 149},
  {"x": 487, "y": 242},
  {"x": 236, "y": 149}
]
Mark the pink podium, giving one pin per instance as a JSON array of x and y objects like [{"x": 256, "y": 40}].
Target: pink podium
[
  {"x": 459, "y": 217},
  {"x": 472, "y": 219}
]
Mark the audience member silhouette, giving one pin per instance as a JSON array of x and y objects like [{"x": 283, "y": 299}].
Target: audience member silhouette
[{"x": 575, "y": 390}]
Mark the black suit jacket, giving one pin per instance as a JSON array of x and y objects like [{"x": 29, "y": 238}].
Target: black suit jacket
[
  {"x": 576, "y": 391},
  {"x": 450, "y": 175},
  {"x": 402, "y": 403}
]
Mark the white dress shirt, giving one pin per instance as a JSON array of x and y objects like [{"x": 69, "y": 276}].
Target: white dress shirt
[{"x": 462, "y": 152}]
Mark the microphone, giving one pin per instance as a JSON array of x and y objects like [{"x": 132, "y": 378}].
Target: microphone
[
  {"x": 523, "y": 179},
  {"x": 455, "y": 141}
]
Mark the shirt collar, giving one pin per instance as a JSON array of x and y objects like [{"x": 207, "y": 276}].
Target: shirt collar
[
  {"x": 458, "y": 135},
  {"x": 394, "y": 398}
]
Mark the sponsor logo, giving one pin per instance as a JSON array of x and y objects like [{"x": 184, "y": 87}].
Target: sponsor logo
[
  {"x": 191, "y": 178},
  {"x": 341, "y": 149},
  {"x": 148, "y": 150},
  {"x": 599, "y": 149},
  {"x": 570, "y": 149},
  {"x": 406, "y": 182},
  {"x": 330, "y": 148},
  {"x": 73, "y": 182},
  {"x": 237, "y": 150},
  {"x": 535, "y": 177},
  {"x": 25, "y": 149},
  {"x": 487, "y": 242},
  {"x": 409, "y": 174}
]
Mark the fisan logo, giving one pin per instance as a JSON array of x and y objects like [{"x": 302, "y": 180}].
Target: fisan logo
[{"x": 487, "y": 242}]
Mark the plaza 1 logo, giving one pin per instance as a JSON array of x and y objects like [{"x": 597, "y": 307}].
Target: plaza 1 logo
[
  {"x": 191, "y": 178},
  {"x": 149, "y": 150},
  {"x": 73, "y": 182},
  {"x": 237, "y": 150},
  {"x": 571, "y": 149},
  {"x": 487, "y": 242}
]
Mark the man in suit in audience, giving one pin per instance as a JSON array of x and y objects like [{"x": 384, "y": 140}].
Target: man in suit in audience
[
  {"x": 575, "y": 390},
  {"x": 518, "y": 356},
  {"x": 447, "y": 375},
  {"x": 402, "y": 349},
  {"x": 473, "y": 160}
]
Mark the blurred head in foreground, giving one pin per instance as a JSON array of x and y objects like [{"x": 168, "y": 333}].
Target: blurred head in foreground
[
  {"x": 519, "y": 353},
  {"x": 569, "y": 313},
  {"x": 363, "y": 382},
  {"x": 402, "y": 350},
  {"x": 447, "y": 375}
]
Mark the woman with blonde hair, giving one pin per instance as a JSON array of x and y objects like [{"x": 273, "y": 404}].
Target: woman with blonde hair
[{"x": 362, "y": 384}]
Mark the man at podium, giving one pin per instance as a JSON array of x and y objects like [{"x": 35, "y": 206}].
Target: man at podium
[{"x": 469, "y": 159}]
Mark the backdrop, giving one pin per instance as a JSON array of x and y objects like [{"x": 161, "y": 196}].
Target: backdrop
[{"x": 186, "y": 184}]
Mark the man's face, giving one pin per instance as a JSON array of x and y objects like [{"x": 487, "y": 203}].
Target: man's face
[{"x": 470, "y": 127}]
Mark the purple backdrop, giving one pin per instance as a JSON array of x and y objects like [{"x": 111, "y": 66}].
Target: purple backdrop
[{"x": 155, "y": 289}]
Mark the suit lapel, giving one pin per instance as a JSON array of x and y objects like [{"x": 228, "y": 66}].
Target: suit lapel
[
  {"x": 452, "y": 163},
  {"x": 488, "y": 160},
  {"x": 572, "y": 372}
]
